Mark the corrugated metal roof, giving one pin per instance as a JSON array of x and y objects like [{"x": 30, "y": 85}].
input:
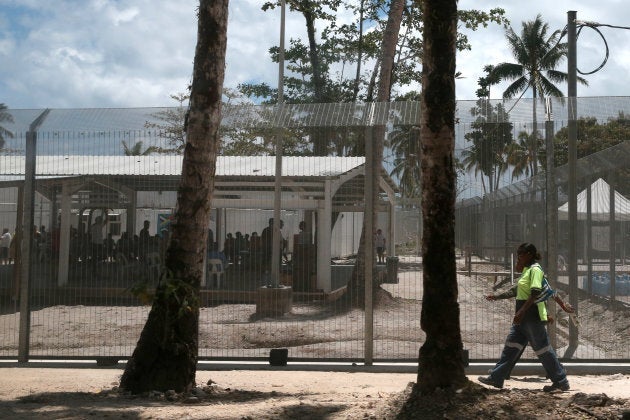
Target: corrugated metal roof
[{"x": 247, "y": 166}]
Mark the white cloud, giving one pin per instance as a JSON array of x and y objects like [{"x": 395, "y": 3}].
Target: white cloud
[
  {"x": 489, "y": 45},
  {"x": 106, "y": 53}
]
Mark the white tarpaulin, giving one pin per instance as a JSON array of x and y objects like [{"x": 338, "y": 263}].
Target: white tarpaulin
[{"x": 600, "y": 204}]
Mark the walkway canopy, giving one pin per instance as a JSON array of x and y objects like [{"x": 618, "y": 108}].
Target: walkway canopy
[{"x": 324, "y": 185}]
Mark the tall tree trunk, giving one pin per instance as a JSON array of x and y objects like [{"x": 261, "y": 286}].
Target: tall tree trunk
[
  {"x": 166, "y": 354},
  {"x": 320, "y": 138},
  {"x": 369, "y": 97},
  {"x": 357, "y": 78},
  {"x": 388, "y": 51},
  {"x": 534, "y": 142},
  {"x": 440, "y": 362}
]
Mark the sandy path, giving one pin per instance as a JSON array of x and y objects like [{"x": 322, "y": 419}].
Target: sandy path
[{"x": 61, "y": 393}]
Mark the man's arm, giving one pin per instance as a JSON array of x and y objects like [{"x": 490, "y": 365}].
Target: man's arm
[
  {"x": 566, "y": 307},
  {"x": 507, "y": 294}
]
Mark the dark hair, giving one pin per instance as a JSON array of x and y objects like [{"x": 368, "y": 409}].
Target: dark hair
[{"x": 529, "y": 249}]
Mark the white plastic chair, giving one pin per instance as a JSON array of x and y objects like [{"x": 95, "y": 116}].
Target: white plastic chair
[
  {"x": 152, "y": 264},
  {"x": 215, "y": 269}
]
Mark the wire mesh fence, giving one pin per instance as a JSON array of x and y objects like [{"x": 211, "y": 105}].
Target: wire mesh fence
[{"x": 105, "y": 190}]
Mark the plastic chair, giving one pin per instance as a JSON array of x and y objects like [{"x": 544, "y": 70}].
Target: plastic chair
[
  {"x": 152, "y": 264},
  {"x": 215, "y": 270}
]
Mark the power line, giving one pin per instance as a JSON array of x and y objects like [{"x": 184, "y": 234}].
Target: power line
[
  {"x": 589, "y": 23},
  {"x": 581, "y": 25},
  {"x": 594, "y": 26}
]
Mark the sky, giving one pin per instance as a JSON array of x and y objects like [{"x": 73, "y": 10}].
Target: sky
[{"x": 136, "y": 53}]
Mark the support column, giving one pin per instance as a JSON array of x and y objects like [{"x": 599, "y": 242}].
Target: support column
[
  {"x": 64, "y": 236},
  {"x": 391, "y": 241},
  {"x": 324, "y": 229},
  {"x": 131, "y": 213}
]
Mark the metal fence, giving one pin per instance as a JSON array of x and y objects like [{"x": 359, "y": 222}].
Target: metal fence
[{"x": 104, "y": 193}]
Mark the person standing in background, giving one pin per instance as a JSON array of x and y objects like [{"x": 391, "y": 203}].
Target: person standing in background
[
  {"x": 97, "y": 240},
  {"x": 144, "y": 238},
  {"x": 379, "y": 243},
  {"x": 5, "y": 244}
]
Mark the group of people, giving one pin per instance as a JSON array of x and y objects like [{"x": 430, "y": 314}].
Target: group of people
[
  {"x": 95, "y": 246},
  {"x": 252, "y": 250},
  {"x": 255, "y": 251},
  {"x": 45, "y": 245}
]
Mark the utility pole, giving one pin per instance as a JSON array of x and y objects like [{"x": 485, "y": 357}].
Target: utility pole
[
  {"x": 276, "y": 233},
  {"x": 572, "y": 187}
]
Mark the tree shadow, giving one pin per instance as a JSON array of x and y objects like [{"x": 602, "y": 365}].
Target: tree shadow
[
  {"x": 305, "y": 411},
  {"x": 115, "y": 404}
]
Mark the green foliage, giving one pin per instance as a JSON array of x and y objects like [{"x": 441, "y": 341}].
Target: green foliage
[
  {"x": 142, "y": 291},
  {"x": 5, "y": 117},
  {"x": 325, "y": 69},
  {"x": 171, "y": 126},
  {"x": 338, "y": 48},
  {"x": 170, "y": 289},
  {"x": 486, "y": 82},
  {"x": 405, "y": 144},
  {"x": 490, "y": 137},
  {"x": 474, "y": 19},
  {"x": 520, "y": 156},
  {"x": 175, "y": 289},
  {"x": 537, "y": 56},
  {"x": 234, "y": 141},
  {"x": 136, "y": 149},
  {"x": 592, "y": 137}
]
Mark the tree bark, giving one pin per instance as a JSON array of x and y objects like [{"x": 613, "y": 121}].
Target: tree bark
[
  {"x": 320, "y": 138},
  {"x": 165, "y": 357},
  {"x": 440, "y": 363}
]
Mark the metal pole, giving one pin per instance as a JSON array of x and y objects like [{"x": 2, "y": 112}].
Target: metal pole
[
  {"x": 552, "y": 205},
  {"x": 612, "y": 238},
  {"x": 368, "y": 215},
  {"x": 277, "y": 234},
  {"x": 27, "y": 238},
  {"x": 588, "y": 232},
  {"x": 572, "y": 190}
]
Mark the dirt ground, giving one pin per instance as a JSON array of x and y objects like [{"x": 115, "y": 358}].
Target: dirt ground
[{"x": 61, "y": 393}]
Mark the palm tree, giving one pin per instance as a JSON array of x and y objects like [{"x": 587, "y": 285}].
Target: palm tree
[
  {"x": 475, "y": 160},
  {"x": 405, "y": 145},
  {"x": 537, "y": 57},
  {"x": 4, "y": 118},
  {"x": 492, "y": 133},
  {"x": 519, "y": 156}
]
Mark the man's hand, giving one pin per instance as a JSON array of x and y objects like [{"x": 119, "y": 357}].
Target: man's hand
[{"x": 491, "y": 297}]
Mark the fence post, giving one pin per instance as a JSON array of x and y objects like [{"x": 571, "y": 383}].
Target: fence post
[{"x": 27, "y": 237}]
